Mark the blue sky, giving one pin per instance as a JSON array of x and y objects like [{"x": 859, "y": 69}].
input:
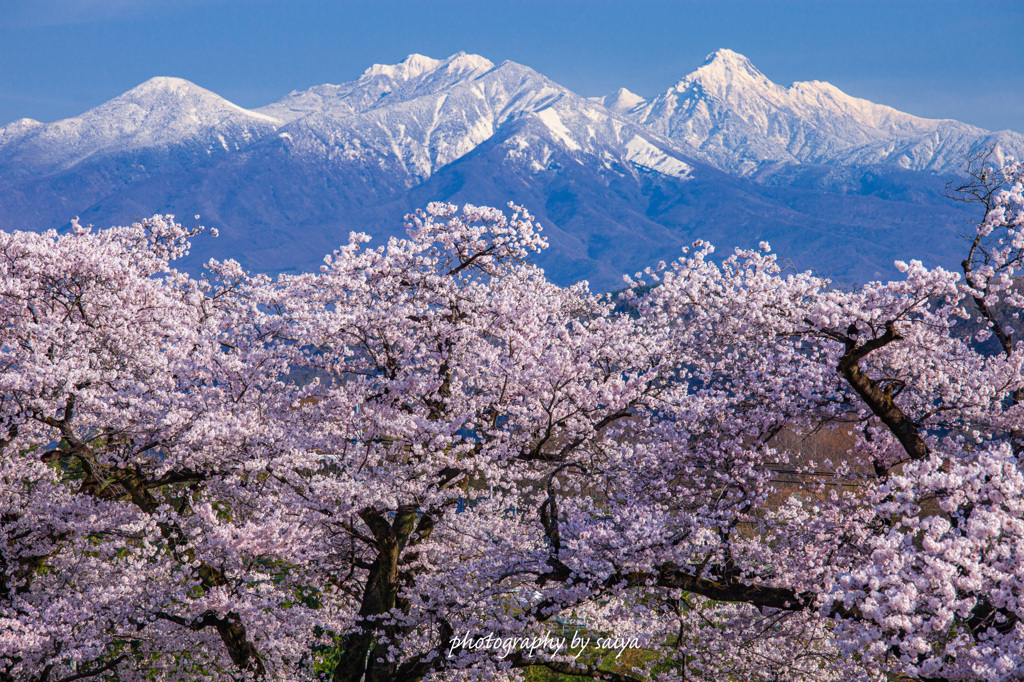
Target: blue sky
[{"x": 934, "y": 58}]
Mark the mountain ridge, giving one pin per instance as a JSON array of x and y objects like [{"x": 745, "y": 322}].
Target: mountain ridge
[
  {"x": 734, "y": 117},
  {"x": 824, "y": 124},
  {"x": 620, "y": 181}
]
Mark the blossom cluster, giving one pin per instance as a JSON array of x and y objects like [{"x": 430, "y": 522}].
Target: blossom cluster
[{"x": 334, "y": 473}]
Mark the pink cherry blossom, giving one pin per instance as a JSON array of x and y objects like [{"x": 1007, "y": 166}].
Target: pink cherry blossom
[{"x": 344, "y": 474}]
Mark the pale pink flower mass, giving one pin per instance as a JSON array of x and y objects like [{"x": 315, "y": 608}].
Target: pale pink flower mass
[{"x": 337, "y": 473}]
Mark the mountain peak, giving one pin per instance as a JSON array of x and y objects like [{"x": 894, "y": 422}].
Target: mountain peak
[
  {"x": 417, "y": 66},
  {"x": 168, "y": 94},
  {"x": 621, "y": 101},
  {"x": 18, "y": 129},
  {"x": 163, "y": 90},
  {"x": 727, "y": 66},
  {"x": 462, "y": 62},
  {"x": 413, "y": 66},
  {"x": 23, "y": 124},
  {"x": 166, "y": 84},
  {"x": 725, "y": 74},
  {"x": 729, "y": 58}
]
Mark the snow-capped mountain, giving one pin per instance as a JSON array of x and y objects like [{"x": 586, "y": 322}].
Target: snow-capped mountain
[
  {"x": 381, "y": 85},
  {"x": 159, "y": 114},
  {"x": 622, "y": 101},
  {"x": 619, "y": 182},
  {"x": 425, "y": 114},
  {"x": 733, "y": 116}
]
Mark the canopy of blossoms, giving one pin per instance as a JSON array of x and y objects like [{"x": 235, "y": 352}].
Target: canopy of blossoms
[{"x": 349, "y": 474}]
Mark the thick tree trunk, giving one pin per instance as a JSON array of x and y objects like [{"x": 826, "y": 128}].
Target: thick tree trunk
[{"x": 365, "y": 658}]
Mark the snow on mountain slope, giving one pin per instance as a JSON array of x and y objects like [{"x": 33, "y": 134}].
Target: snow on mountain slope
[
  {"x": 621, "y": 101},
  {"x": 602, "y": 222},
  {"x": 422, "y": 112},
  {"x": 322, "y": 156},
  {"x": 733, "y": 116},
  {"x": 17, "y": 130},
  {"x": 379, "y": 86},
  {"x": 427, "y": 113},
  {"x": 619, "y": 182},
  {"x": 160, "y": 113}
]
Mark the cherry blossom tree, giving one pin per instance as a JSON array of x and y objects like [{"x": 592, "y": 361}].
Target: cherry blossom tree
[
  {"x": 136, "y": 532},
  {"x": 418, "y": 461}
]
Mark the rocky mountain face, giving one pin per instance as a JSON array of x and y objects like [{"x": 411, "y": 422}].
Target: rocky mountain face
[{"x": 833, "y": 182}]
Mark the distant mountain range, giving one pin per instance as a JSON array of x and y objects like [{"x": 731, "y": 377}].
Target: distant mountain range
[{"x": 833, "y": 182}]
